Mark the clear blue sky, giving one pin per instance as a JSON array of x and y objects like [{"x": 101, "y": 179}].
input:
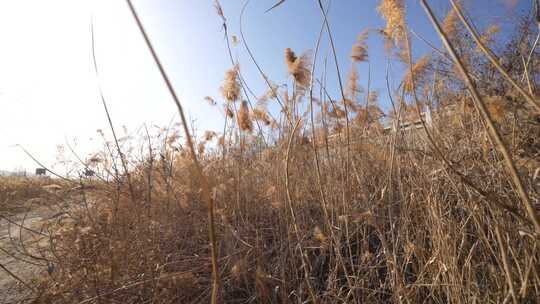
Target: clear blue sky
[{"x": 48, "y": 90}]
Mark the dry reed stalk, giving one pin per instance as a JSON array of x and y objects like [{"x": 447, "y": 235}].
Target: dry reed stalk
[
  {"x": 493, "y": 59},
  {"x": 205, "y": 186},
  {"x": 463, "y": 178},
  {"x": 242, "y": 83},
  {"x": 492, "y": 131},
  {"x": 111, "y": 126},
  {"x": 252, "y": 57},
  {"x": 293, "y": 216},
  {"x": 342, "y": 91},
  {"x": 507, "y": 270},
  {"x": 345, "y": 183}
]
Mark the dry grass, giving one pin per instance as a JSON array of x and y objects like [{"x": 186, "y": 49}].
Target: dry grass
[
  {"x": 325, "y": 212},
  {"x": 17, "y": 191}
]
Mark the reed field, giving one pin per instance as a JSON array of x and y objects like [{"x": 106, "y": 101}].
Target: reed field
[{"x": 307, "y": 196}]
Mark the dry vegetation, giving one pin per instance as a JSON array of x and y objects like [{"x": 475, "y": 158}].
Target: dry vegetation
[
  {"x": 17, "y": 193},
  {"x": 316, "y": 203}
]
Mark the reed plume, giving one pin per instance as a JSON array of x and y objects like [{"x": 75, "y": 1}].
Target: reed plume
[
  {"x": 298, "y": 67},
  {"x": 209, "y": 135},
  {"x": 488, "y": 37},
  {"x": 231, "y": 85},
  {"x": 451, "y": 24},
  {"x": 244, "y": 119},
  {"x": 210, "y": 100},
  {"x": 261, "y": 115},
  {"x": 373, "y": 98},
  {"x": 418, "y": 70},
  {"x": 201, "y": 147},
  {"x": 359, "y": 50},
  {"x": 353, "y": 88},
  {"x": 393, "y": 11},
  {"x": 336, "y": 112},
  {"x": 229, "y": 112}
]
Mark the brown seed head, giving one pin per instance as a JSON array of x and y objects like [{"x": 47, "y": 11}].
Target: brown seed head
[
  {"x": 353, "y": 88},
  {"x": 201, "y": 147},
  {"x": 234, "y": 40},
  {"x": 229, "y": 112},
  {"x": 244, "y": 119},
  {"x": 231, "y": 85},
  {"x": 319, "y": 235},
  {"x": 488, "y": 37},
  {"x": 261, "y": 115},
  {"x": 359, "y": 50},
  {"x": 299, "y": 67},
  {"x": 393, "y": 11},
  {"x": 210, "y": 100},
  {"x": 209, "y": 135},
  {"x": 451, "y": 24},
  {"x": 418, "y": 71}
]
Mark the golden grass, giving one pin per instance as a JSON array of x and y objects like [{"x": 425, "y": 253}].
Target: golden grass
[
  {"x": 17, "y": 191},
  {"x": 325, "y": 213}
]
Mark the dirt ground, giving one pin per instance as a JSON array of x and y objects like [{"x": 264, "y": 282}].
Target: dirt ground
[{"x": 22, "y": 239}]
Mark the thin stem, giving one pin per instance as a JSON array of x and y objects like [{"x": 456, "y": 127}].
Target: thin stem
[
  {"x": 120, "y": 154},
  {"x": 342, "y": 91},
  {"x": 492, "y": 131},
  {"x": 293, "y": 216},
  {"x": 492, "y": 58},
  {"x": 205, "y": 187}
]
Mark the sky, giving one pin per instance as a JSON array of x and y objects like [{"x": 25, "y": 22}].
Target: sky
[{"x": 49, "y": 90}]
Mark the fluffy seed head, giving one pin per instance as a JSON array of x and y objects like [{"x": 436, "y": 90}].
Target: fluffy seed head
[
  {"x": 352, "y": 106},
  {"x": 229, "y": 112},
  {"x": 274, "y": 125},
  {"x": 352, "y": 85},
  {"x": 361, "y": 118},
  {"x": 261, "y": 115},
  {"x": 290, "y": 57},
  {"x": 201, "y": 147},
  {"x": 393, "y": 11},
  {"x": 209, "y": 135},
  {"x": 418, "y": 71},
  {"x": 272, "y": 93},
  {"x": 359, "y": 50},
  {"x": 450, "y": 24},
  {"x": 238, "y": 270},
  {"x": 373, "y": 98},
  {"x": 231, "y": 85},
  {"x": 234, "y": 40},
  {"x": 496, "y": 108},
  {"x": 488, "y": 36},
  {"x": 173, "y": 138},
  {"x": 336, "y": 112},
  {"x": 298, "y": 67},
  {"x": 244, "y": 119},
  {"x": 210, "y": 100},
  {"x": 319, "y": 235}
]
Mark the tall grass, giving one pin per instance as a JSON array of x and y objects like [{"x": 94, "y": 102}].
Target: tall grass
[{"x": 318, "y": 203}]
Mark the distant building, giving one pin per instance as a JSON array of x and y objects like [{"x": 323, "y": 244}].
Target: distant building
[
  {"x": 408, "y": 125},
  {"x": 413, "y": 122}
]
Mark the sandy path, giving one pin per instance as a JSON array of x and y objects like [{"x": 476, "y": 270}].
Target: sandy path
[{"x": 16, "y": 243}]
